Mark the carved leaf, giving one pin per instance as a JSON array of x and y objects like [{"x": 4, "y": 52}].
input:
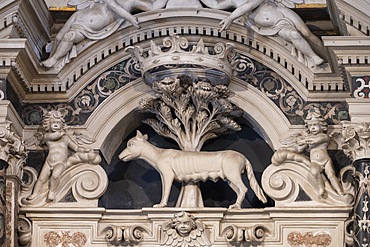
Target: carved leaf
[
  {"x": 165, "y": 112},
  {"x": 147, "y": 104},
  {"x": 158, "y": 127},
  {"x": 175, "y": 123},
  {"x": 229, "y": 123},
  {"x": 201, "y": 117}
]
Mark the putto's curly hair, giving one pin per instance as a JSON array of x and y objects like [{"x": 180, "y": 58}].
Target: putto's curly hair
[
  {"x": 316, "y": 115},
  {"x": 52, "y": 115},
  {"x": 183, "y": 214}
]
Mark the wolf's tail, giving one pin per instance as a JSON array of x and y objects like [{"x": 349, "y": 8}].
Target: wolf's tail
[{"x": 253, "y": 182}]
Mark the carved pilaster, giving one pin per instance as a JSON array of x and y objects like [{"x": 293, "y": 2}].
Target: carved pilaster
[
  {"x": 355, "y": 142},
  {"x": 12, "y": 159}
]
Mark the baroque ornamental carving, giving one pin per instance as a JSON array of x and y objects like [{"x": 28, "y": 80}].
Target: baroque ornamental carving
[
  {"x": 62, "y": 172},
  {"x": 252, "y": 235},
  {"x": 184, "y": 230},
  {"x": 177, "y": 56},
  {"x": 274, "y": 18},
  {"x": 190, "y": 166},
  {"x": 12, "y": 150},
  {"x": 292, "y": 171},
  {"x": 131, "y": 235},
  {"x": 190, "y": 111},
  {"x": 94, "y": 20},
  {"x": 297, "y": 239}
]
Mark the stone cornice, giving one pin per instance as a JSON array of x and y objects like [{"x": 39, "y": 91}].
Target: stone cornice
[{"x": 99, "y": 55}]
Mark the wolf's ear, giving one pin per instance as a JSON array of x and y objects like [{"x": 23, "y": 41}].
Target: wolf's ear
[
  {"x": 138, "y": 134},
  {"x": 141, "y": 136}
]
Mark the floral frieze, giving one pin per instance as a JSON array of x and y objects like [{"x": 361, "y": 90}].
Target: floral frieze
[
  {"x": 276, "y": 88},
  {"x": 297, "y": 239},
  {"x": 65, "y": 239}
]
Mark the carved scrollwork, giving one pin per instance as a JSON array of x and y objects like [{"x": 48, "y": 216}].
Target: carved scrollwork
[
  {"x": 87, "y": 183},
  {"x": 24, "y": 231},
  {"x": 253, "y": 234},
  {"x": 124, "y": 234},
  {"x": 284, "y": 183},
  {"x": 354, "y": 139}
]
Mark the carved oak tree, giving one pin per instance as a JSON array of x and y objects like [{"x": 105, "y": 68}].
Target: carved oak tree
[{"x": 190, "y": 113}]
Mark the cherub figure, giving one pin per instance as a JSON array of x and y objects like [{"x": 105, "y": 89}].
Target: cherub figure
[
  {"x": 183, "y": 230},
  {"x": 58, "y": 159},
  {"x": 316, "y": 141},
  {"x": 273, "y": 17},
  {"x": 95, "y": 20}
]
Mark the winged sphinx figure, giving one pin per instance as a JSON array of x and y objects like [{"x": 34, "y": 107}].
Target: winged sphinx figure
[
  {"x": 275, "y": 18},
  {"x": 94, "y": 20}
]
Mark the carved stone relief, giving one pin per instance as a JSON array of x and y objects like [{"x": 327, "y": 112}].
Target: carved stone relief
[
  {"x": 184, "y": 166},
  {"x": 184, "y": 230},
  {"x": 62, "y": 173},
  {"x": 292, "y": 171}
]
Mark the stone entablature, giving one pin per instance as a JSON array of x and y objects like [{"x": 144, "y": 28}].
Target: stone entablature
[{"x": 142, "y": 227}]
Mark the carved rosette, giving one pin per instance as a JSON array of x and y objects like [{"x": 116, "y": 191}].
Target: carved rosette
[
  {"x": 65, "y": 238},
  {"x": 322, "y": 239},
  {"x": 287, "y": 182},
  {"x": 85, "y": 182}
]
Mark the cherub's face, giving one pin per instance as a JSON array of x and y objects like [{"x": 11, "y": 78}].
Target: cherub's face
[
  {"x": 314, "y": 127},
  {"x": 55, "y": 125},
  {"x": 183, "y": 226}
]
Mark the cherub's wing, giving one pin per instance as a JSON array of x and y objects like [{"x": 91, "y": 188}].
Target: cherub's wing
[
  {"x": 289, "y": 3},
  {"x": 80, "y": 4},
  {"x": 291, "y": 140},
  {"x": 82, "y": 139},
  {"x": 168, "y": 235},
  {"x": 198, "y": 236}
]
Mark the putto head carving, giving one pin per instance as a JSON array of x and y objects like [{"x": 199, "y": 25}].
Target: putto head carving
[
  {"x": 314, "y": 116},
  {"x": 184, "y": 223},
  {"x": 177, "y": 55},
  {"x": 184, "y": 230},
  {"x": 53, "y": 120}
]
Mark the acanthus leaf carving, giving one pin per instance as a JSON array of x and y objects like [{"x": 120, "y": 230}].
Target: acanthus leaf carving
[
  {"x": 12, "y": 150},
  {"x": 354, "y": 139}
]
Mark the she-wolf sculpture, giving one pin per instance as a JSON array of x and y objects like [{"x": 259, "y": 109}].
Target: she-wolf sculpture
[{"x": 193, "y": 166}]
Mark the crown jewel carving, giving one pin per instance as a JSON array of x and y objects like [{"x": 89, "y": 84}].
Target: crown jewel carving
[{"x": 177, "y": 51}]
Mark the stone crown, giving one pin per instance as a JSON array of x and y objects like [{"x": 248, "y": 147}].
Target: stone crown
[{"x": 177, "y": 51}]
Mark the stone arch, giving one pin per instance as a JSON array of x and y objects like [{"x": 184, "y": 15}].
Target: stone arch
[{"x": 110, "y": 127}]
